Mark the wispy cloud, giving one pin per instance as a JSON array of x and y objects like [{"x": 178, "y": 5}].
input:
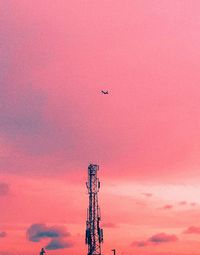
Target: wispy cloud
[
  {"x": 162, "y": 238},
  {"x": 167, "y": 207},
  {"x": 109, "y": 225},
  {"x": 146, "y": 194},
  {"x": 183, "y": 203},
  {"x": 3, "y": 234},
  {"x": 156, "y": 239},
  {"x": 192, "y": 230},
  {"x": 4, "y": 189}
]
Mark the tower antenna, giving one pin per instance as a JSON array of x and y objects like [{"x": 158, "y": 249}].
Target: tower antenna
[{"x": 94, "y": 234}]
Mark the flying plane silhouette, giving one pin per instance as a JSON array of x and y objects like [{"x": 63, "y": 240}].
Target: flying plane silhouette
[{"x": 104, "y": 92}]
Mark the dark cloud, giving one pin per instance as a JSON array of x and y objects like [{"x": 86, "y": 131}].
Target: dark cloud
[
  {"x": 3, "y": 234},
  {"x": 167, "y": 207},
  {"x": 57, "y": 234},
  {"x": 192, "y": 230},
  {"x": 162, "y": 238},
  {"x": 4, "y": 188},
  {"x": 37, "y": 232},
  {"x": 193, "y": 204},
  {"x": 109, "y": 225},
  {"x": 156, "y": 239},
  {"x": 57, "y": 243}
]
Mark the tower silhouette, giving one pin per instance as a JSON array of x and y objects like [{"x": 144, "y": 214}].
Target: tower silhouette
[{"x": 94, "y": 234}]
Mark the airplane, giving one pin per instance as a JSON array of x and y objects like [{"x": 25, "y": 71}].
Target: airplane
[{"x": 104, "y": 92}]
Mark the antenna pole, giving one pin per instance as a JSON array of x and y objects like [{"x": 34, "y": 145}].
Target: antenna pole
[{"x": 94, "y": 234}]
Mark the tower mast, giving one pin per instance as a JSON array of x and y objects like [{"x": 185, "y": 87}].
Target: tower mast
[{"x": 94, "y": 234}]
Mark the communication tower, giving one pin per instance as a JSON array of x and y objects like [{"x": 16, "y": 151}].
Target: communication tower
[{"x": 94, "y": 234}]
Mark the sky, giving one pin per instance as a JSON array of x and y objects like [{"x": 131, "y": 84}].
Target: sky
[{"x": 55, "y": 58}]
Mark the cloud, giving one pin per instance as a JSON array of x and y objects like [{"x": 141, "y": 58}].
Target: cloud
[
  {"x": 167, "y": 207},
  {"x": 192, "y": 230},
  {"x": 156, "y": 239},
  {"x": 22, "y": 111},
  {"x": 37, "y": 232},
  {"x": 109, "y": 225},
  {"x": 162, "y": 238},
  {"x": 4, "y": 188},
  {"x": 25, "y": 120},
  {"x": 57, "y": 243},
  {"x": 28, "y": 44},
  {"x": 140, "y": 243},
  {"x": 183, "y": 203},
  {"x": 147, "y": 194},
  {"x": 6, "y": 253},
  {"x": 3, "y": 234}
]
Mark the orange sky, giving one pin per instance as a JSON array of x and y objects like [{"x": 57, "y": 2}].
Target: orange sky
[{"x": 55, "y": 58}]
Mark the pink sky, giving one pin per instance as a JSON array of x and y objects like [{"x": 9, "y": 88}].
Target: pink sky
[{"x": 55, "y": 58}]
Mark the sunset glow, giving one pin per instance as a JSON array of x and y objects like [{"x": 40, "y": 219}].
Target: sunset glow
[{"x": 56, "y": 57}]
